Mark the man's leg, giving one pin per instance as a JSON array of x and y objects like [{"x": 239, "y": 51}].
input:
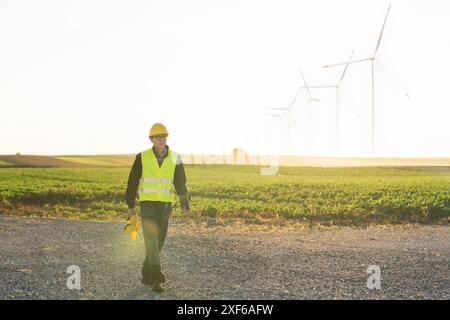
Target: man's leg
[
  {"x": 151, "y": 268},
  {"x": 164, "y": 224},
  {"x": 163, "y": 211},
  {"x": 150, "y": 228}
]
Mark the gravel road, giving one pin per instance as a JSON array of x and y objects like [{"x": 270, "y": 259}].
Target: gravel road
[{"x": 210, "y": 263}]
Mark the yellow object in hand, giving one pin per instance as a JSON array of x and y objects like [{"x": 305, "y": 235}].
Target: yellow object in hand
[{"x": 132, "y": 226}]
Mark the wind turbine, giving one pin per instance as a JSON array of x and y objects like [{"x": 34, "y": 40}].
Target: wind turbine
[
  {"x": 280, "y": 117},
  {"x": 310, "y": 99},
  {"x": 287, "y": 111},
  {"x": 336, "y": 87},
  {"x": 372, "y": 60}
]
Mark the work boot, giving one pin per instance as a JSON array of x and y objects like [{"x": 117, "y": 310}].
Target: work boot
[
  {"x": 157, "y": 276},
  {"x": 153, "y": 278},
  {"x": 158, "y": 287}
]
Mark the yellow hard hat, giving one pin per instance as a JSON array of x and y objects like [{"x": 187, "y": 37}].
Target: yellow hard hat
[{"x": 157, "y": 129}]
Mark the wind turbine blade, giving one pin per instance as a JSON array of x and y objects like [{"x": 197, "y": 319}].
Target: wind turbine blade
[
  {"x": 304, "y": 81},
  {"x": 381, "y": 33},
  {"x": 314, "y": 99},
  {"x": 344, "y": 63},
  {"x": 345, "y": 69},
  {"x": 403, "y": 91},
  {"x": 275, "y": 108},
  {"x": 295, "y": 98}
]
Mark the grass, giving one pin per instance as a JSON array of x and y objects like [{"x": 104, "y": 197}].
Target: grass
[{"x": 339, "y": 196}]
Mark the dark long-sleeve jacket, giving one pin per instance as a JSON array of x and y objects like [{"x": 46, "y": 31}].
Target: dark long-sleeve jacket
[{"x": 136, "y": 174}]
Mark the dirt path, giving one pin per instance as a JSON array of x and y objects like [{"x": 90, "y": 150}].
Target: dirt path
[{"x": 209, "y": 264}]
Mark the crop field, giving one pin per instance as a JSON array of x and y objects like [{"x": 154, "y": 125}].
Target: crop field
[{"x": 340, "y": 196}]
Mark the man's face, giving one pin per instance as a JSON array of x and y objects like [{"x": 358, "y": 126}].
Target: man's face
[{"x": 159, "y": 141}]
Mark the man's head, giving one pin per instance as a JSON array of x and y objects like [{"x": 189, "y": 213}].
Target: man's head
[{"x": 158, "y": 136}]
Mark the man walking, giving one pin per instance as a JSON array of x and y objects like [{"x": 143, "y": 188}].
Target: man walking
[{"x": 159, "y": 174}]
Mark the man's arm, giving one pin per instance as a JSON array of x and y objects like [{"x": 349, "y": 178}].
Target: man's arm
[
  {"x": 180, "y": 184},
  {"x": 133, "y": 181}
]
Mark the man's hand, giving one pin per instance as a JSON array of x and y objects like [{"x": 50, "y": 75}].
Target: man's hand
[
  {"x": 184, "y": 201},
  {"x": 130, "y": 213}
]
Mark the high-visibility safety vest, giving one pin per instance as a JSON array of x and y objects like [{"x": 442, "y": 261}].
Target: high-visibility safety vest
[{"x": 157, "y": 182}]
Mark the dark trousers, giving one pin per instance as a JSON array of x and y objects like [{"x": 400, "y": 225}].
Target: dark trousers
[{"x": 155, "y": 221}]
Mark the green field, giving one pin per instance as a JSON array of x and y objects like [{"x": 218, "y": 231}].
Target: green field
[{"x": 344, "y": 196}]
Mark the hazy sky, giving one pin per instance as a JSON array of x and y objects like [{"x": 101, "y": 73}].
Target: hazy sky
[{"x": 90, "y": 77}]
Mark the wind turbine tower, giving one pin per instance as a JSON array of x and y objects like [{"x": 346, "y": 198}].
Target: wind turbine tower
[{"x": 371, "y": 60}]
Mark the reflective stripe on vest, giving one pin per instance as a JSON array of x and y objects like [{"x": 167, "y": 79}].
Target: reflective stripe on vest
[
  {"x": 157, "y": 180},
  {"x": 155, "y": 190},
  {"x": 156, "y": 183}
]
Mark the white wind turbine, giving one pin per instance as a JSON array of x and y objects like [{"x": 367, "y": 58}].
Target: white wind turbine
[
  {"x": 287, "y": 109},
  {"x": 372, "y": 60},
  {"x": 310, "y": 99},
  {"x": 287, "y": 113},
  {"x": 280, "y": 117},
  {"x": 336, "y": 87}
]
